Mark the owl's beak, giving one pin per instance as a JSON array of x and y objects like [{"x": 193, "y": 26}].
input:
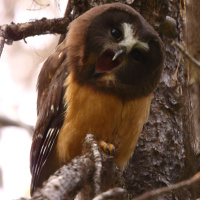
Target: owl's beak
[{"x": 118, "y": 52}]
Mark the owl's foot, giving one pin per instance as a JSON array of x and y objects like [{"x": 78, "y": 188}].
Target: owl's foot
[{"x": 107, "y": 148}]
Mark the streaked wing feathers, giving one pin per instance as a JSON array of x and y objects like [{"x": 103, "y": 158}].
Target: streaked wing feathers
[{"x": 50, "y": 113}]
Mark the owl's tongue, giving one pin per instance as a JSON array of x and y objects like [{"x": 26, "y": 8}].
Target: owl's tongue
[{"x": 106, "y": 63}]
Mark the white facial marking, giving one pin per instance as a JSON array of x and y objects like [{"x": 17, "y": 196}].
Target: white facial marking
[{"x": 129, "y": 40}]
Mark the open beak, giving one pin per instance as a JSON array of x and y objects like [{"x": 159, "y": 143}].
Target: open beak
[
  {"x": 110, "y": 59},
  {"x": 118, "y": 53}
]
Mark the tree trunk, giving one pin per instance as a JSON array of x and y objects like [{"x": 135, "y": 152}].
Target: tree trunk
[{"x": 165, "y": 154}]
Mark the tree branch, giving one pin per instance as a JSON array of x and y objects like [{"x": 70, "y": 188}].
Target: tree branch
[
  {"x": 37, "y": 27},
  {"x": 187, "y": 55},
  {"x": 154, "y": 193},
  {"x": 67, "y": 181},
  {"x": 98, "y": 162},
  {"x": 15, "y": 32},
  {"x": 5, "y": 121},
  {"x": 71, "y": 178},
  {"x": 116, "y": 193}
]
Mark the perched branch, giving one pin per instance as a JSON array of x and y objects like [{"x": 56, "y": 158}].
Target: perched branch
[
  {"x": 67, "y": 181},
  {"x": 98, "y": 162},
  {"x": 154, "y": 193},
  {"x": 17, "y": 32},
  {"x": 187, "y": 55},
  {"x": 71, "y": 178}
]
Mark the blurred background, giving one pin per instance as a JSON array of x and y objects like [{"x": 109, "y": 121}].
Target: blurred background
[{"x": 20, "y": 64}]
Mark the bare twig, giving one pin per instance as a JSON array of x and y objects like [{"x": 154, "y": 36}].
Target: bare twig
[
  {"x": 41, "y": 4},
  {"x": 17, "y": 32},
  {"x": 4, "y": 121},
  {"x": 117, "y": 193},
  {"x": 187, "y": 55},
  {"x": 176, "y": 72},
  {"x": 154, "y": 193}
]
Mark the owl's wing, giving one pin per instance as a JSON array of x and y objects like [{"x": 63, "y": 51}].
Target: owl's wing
[{"x": 50, "y": 109}]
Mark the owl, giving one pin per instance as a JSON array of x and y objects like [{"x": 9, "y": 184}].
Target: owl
[{"x": 99, "y": 80}]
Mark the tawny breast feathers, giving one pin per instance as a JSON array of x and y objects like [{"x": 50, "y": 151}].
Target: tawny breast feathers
[{"x": 104, "y": 115}]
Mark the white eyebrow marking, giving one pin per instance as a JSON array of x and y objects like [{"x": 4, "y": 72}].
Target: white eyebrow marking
[{"x": 129, "y": 40}]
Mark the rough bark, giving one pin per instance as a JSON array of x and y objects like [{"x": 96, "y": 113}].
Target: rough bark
[
  {"x": 21, "y": 31},
  {"x": 164, "y": 154}
]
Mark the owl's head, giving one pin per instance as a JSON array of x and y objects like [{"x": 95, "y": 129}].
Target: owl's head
[{"x": 113, "y": 49}]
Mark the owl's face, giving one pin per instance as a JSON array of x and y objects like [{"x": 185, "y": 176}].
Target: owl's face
[{"x": 122, "y": 54}]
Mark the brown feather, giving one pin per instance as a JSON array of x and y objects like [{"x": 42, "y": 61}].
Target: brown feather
[
  {"x": 48, "y": 124},
  {"x": 106, "y": 116}
]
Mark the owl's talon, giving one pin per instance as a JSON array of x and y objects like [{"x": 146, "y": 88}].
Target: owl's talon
[{"x": 107, "y": 148}]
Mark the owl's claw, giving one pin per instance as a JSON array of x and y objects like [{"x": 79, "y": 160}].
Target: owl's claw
[{"x": 107, "y": 148}]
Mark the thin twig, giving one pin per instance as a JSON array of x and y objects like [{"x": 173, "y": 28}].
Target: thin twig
[
  {"x": 154, "y": 193},
  {"x": 117, "y": 193},
  {"x": 40, "y": 4},
  {"x": 44, "y": 6},
  {"x": 186, "y": 54},
  {"x": 5, "y": 121},
  {"x": 176, "y": 72}
]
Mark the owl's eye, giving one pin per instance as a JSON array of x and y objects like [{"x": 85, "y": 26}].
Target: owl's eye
[{"x": 116, "y": 33}]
